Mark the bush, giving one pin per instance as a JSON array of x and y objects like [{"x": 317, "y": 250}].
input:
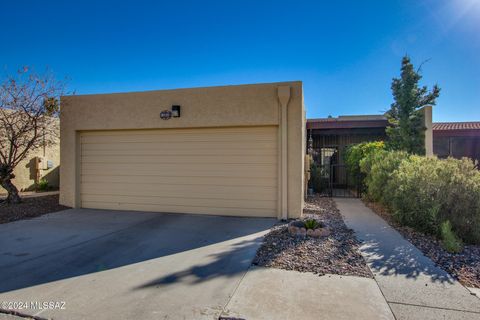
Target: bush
[
  {"x": 354, "y": 154},
  {"x": 460, "y": 197},
  {"x": 417, "y": 189},
  {"x": 378, "y": 168},
  {"x": 318, "y": 177},
  {"x": 424, "y": 192},
  {"x": 43, "y": 185},
  {"x": 450, "y": 241}
]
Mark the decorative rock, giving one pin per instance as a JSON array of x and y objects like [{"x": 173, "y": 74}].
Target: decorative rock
[
  {"x": 297, "y": 228},
  {"x": 302, "y": 232},
  {"x": 292, "y": 230},
  {"x": 313, "y": 233},
  {"x": 337, "y": 254},
  {"x": 319, "y": 232},
  {"x": 324, "y": 232},
  {"x": 297, "y": 223}
]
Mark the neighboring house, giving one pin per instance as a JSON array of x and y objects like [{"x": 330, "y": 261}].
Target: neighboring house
[
  {"x": 328, "y": 138},
  {"x": 457, "y": 139},
  {"x": 231, "y": 150},
  {"x": 42, "y": 163}
]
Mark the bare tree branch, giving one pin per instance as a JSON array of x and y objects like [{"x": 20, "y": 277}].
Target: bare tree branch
[{"x": 29, "y": 108}]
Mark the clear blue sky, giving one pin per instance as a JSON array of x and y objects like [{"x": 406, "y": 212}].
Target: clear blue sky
[{"x": 345, "y": 52}]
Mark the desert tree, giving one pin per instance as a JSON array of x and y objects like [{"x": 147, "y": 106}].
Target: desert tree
[
  {"x": 406, "y": 130},
  {"x": 29, "y": 108}
]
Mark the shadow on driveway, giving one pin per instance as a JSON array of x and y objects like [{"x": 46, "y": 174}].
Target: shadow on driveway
[
  {"x": 227, "y": 263},
  {"x": 80, "y": 241}
]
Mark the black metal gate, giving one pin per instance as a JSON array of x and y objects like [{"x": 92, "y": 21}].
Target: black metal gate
[
  {"x": 342, "y": 184},
  {"x": 332, "y": 179}
]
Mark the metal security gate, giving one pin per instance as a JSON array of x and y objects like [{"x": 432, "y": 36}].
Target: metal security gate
[
  {"x": 332, "y": 178},
  {"x": 342, "y": 183},
  {"x": 336, "y": 182}
]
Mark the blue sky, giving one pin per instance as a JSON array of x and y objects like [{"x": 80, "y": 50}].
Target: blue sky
[{"x": 345, "y": 52}]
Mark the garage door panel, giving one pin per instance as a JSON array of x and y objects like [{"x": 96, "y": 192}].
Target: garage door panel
[
  {"x": 247, "y": 212},
  {"x": 154, "y": 180},
  {"x": 174, "y": 139},
  {"x": 205, "y": 132},
  {"x": 182, "y": 191},
  {"x": 179, "y": 201},
  {"x": 179, "y": 136},
  {"x": 227, "y": 171},
  {"x": 164, "y": 144},
  {"x": 176, "y": 150},
  {"x": 185, "y": 171},
  {"x": 172, "y": 159}
]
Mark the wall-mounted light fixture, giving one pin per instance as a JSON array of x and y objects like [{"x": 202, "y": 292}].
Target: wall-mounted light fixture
[{"x": 176, "y": 111}]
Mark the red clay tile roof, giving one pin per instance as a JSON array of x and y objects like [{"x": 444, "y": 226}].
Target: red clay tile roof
[{"x": 456, "y": 125}]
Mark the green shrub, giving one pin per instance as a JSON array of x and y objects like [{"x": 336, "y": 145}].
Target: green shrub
[
  {"x": 378, "y": 168},
  {"x": 450, "y": 241},
  {"x": 424, "y": 192},
  {"x": 354, "y": 154},
  {"x": 460, "y": 197},
  {"x": 417, "y": 188},
  {"x": 318, "y": 177},
  {"x": 428, "y": 191},
  {"x": 42, "y": 185},
  {"x": 311, "y": 224}
]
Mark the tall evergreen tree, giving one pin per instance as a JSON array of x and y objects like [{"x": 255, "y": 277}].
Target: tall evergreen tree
[{"x": 407, "y": 129}]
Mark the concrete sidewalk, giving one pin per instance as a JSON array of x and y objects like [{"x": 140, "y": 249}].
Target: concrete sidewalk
[
  {"x": 267, "y": 293},
  {"x": 414, "y": 287}
]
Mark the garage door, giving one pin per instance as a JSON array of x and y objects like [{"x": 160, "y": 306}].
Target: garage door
[{"x": 222, "y": 171}]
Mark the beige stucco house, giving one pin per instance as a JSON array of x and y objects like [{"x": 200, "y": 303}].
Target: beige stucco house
[
  {"x": 40, "y": 164},
  {"x": 231, "y": 150}
]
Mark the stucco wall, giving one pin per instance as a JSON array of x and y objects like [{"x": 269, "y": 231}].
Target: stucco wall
[
  {"x": 25, "y": 171},
  {"x": 244, "y": 105},
  {"x": 296, "y": 152}
]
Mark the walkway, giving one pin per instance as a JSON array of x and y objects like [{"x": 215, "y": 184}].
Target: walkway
[
  {"x": 411, "y": 283},
  {"x": 268, "y": 293}
]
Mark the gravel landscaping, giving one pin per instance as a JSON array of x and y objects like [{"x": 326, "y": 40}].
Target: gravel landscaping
[
  {"x": 464, "y": 266},
  {"x": 29, "y": 208},
  {"x": 335, "y": 254}
]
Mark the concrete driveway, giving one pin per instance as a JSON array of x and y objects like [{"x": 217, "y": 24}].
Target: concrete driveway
[{"x": 126, "y": 265}]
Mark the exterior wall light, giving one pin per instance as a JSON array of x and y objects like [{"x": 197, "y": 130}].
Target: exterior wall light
[{"x": 176, "y": 111}]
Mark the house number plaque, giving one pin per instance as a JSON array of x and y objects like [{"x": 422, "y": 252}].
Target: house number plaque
[{"x": 165, "y": 115}]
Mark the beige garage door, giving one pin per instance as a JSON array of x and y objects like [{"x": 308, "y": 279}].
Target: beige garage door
[{"x": 223, "y": 171}]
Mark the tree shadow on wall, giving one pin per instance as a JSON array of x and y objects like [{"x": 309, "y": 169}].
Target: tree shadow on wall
[{"x": 52, "y": 176}]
